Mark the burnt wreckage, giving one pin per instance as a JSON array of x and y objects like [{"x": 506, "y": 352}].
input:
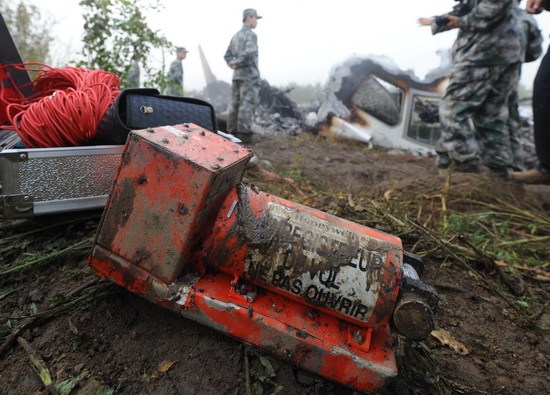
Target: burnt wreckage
[{"x": 370, "y": 99}]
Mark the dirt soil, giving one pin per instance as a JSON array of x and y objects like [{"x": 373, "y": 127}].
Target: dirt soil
[{"x": 111, "y": 341}]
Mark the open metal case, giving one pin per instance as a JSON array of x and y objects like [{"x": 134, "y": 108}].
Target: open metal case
[{"x": 46, "y": 180}]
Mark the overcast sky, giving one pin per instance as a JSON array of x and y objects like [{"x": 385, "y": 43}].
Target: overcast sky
[{"x": 299, "y": 40}]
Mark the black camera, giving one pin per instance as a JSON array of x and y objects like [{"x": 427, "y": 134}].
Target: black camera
[{"x": 461, "y": 9}]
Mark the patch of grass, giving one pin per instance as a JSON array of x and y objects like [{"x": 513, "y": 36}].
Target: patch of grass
[
  {"x": 295, "y": 171},
  {"x": 496, "y": 234}
]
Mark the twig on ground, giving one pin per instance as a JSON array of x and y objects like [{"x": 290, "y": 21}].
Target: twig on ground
[
  {"x": 93, "y": 285},
  {"x": 46, "y": 258},
  {"x": 247, "y": 371},
  {"x": 39, "y": 365}
]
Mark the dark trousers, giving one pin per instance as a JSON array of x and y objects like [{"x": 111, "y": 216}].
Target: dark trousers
[{"x": 541, "y": 111}]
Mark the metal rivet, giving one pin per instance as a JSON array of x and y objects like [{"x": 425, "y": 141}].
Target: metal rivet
[
  {"x": 146, "y": 110},
  {"x": 215, "y": 166},
  {"x": 358, "y": 337},
  {"x": 151, "y": 130},
  {"x": 165, "y": 141},
  {"x": 186, "y": 125},
  {"x": 202, "y": 133},
  {"x": 27, "y": 198},
  {"x": 219, "y": 158},
  {"x": 23, "y": 156},
  {"x": 236, "y": 151}
]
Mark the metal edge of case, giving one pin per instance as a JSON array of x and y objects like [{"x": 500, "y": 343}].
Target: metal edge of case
[{"x": 19, "y": 203}]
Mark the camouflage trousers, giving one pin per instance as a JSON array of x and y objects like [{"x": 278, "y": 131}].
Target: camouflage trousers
[
  {"x": 473, "y": 115},
  {"x": 244, "y": 98}
]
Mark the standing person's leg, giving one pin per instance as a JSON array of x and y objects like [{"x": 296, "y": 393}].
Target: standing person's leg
[
  {"x": 541, "y": 111},
  {"x": 491, "y": 119},
  {"x": 249, "y": 95},
  {"x": 458, "y": 146},
  {"x": 514, "y": 125},
  {"x": 541, "y": 120},
  {"x": 232, "y": 121}
]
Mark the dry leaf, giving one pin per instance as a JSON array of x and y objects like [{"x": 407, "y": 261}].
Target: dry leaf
[
  {"x": 73, "y": 327},
  {"x": 268, "y": 367},
  {"x": 165, "y": 366},
  {"x": 446, "y": 339}
]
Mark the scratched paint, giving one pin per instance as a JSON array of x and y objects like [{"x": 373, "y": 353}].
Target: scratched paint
[{"x": 325, "y": 264}]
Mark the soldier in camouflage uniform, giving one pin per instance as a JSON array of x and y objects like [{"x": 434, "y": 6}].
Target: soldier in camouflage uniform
[
  {"x": 242, "y": 57},
  {"x": 486, "y": 59},
  {"x": 531, "y": 48},
  {"x": 174, "y": 79}
]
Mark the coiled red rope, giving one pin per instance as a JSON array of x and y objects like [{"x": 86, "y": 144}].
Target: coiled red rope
[{"x": 66, "y": 108}]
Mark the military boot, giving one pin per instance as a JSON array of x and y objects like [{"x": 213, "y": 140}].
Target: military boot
[{"x": 538, "y": 175}]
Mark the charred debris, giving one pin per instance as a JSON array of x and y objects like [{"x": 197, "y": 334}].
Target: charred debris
[{"x": 368, "y": 99}]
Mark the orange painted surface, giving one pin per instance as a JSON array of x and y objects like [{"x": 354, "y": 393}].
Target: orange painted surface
[
  {"x": 180, "y": 230},
  {"x": 309, "y": 338}
]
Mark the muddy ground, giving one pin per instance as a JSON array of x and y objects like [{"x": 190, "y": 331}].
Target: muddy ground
[{"x": 97, "y": 338}]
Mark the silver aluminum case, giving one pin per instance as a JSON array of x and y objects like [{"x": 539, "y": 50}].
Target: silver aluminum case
[{"x": 55, "y": 180}]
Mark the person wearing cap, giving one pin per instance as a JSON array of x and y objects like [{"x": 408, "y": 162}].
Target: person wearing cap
[
  {"x": 174, "y": 79},
  {"x": 242, "y": 57}
]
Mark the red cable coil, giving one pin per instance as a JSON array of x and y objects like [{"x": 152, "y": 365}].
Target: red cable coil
[{"x": 66, "y": 108}]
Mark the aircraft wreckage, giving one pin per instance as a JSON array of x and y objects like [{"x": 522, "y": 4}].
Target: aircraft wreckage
[{"x": 370, "y": 99}]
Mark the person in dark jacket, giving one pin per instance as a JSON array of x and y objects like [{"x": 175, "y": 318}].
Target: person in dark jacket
[{"x": 541, "y": 113}]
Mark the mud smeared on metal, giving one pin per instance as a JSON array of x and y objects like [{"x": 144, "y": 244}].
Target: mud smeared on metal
[
  {"x": 317, "y": 259},
  {"x": 117, "y": 218}
]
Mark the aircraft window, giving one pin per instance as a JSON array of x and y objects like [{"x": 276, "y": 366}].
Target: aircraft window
[
  {"x": 380, "y": 99},
  {"x": 424, "y": 126}
]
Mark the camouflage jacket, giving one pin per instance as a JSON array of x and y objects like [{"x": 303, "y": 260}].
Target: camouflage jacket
[
  {"x": 175, "y": 74},
  {"x": 243, "y": 52},
  {"x": 488, "y": 35},
  {"x": 530, "y": 36}
]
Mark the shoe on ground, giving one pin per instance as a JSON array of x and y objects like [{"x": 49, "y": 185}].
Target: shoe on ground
[
  {"x": 471, "y": 166},
  {"x": 502, "y": 172},
  {"x": 538, "y": 175}
]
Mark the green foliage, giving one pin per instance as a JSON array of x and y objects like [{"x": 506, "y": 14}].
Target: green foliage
[
  {"x": 503, "y": 234},
  {"x": 115, "y": 31},
  {"x": 29, "y": 29},
  {"x": 296, "y": 168}
]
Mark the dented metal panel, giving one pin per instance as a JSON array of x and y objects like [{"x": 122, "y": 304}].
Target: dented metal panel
[
  {"x": 160, "y": 207},
  {"x": 329, "y": 263},
  {"x": 373, "y": 101}
]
